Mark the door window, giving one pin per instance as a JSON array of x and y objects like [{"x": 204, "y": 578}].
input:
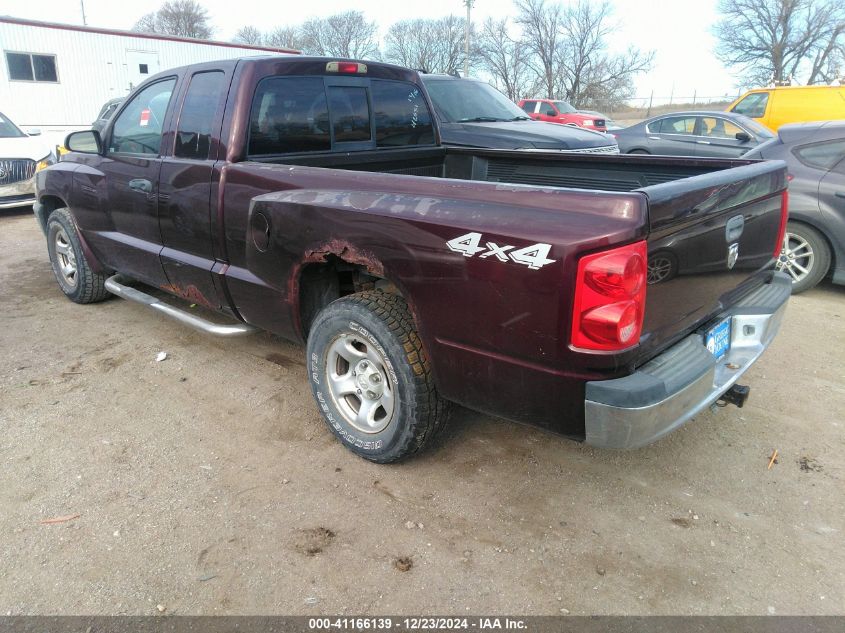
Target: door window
[
  {"x": 753, "y": 106},
  {"x": 547, "y": 109},
  {"x": 199, "y": 113},
  {"x": 717, "y": 127},
  {"x": 673, "y": 125},
  {"x": 138, "y": 128}
]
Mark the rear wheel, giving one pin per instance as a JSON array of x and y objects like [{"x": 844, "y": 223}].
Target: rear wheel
[
  {"x": 805, "y": 256},
  {"x": 73, "y": 272},
  {"x": 371, "y": 378}
]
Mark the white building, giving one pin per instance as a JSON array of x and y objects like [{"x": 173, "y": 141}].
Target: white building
[{"x": 56, "y": 77}]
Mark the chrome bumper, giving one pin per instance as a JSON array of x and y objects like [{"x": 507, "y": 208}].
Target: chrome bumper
[
  {"x": 17, "y": 194},
  {"x": 667, "y": 391}
]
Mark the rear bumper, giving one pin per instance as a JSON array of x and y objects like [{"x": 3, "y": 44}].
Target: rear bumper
[{"x": 667, "y": 391}]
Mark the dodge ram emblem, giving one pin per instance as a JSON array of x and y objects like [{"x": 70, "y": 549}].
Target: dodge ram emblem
[{"x": 733, "y": 254}]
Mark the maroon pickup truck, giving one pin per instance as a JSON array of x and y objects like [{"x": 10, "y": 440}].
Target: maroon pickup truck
[{"x": 605, "y": 298}]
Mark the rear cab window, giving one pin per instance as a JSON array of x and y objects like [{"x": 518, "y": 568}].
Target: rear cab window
[
  {"x": 294, "y": 114},
  {"x": 529, "y": 106}
]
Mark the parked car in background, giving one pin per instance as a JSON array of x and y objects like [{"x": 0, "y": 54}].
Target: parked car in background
[
  {"x": 773, "y": 107},
  {"x": 106, "y": 112},
  {"x": 700, "y": 133},
  {"x": 609, "y": 124},
  {"x": 562, "y": 112},
  {"x": 21, "y": 155},
  {"x": 814, "y": 243},
  {"x": 473, "y": 113}
]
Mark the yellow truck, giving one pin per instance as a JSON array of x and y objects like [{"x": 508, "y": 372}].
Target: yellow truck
[{"x": 778, "y": 106}]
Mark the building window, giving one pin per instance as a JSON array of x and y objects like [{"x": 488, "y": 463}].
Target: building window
[
  {"x": 32, "y": 67},
  {"x": 143, "y": 69}
]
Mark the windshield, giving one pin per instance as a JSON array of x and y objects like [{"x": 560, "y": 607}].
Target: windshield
[
  {"x": 8, "y": 129},
  {"x": 461, "y": 100},
  {"x": 761, "y": 131},
  {"x": 564, "y": 107}
]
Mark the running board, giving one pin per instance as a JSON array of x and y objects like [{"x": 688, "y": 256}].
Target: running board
[{"x": 115, "y": 285}]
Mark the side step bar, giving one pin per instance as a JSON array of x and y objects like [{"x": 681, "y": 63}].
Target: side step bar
[{"x": 115, "y": 285}]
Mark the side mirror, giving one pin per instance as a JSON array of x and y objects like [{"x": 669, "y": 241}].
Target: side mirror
[
  {"x": 34, "y": 131},
  {"x": 743, "y": 136},
  {"x": 84, "y": 142}
]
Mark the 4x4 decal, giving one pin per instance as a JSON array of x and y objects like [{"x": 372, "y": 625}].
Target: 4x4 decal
[{"x": 535, "y": 256}]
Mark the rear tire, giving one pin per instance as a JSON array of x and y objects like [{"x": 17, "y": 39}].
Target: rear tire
[
  {"x": 73, "y": 272},
  {"x": 805, "y": 256},
  {"x": 371, "y": 378}
]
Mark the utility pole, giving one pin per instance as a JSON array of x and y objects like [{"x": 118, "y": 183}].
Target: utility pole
[
  {"x": 84, "y": 20},
  {"x": 469, "y": 4}
]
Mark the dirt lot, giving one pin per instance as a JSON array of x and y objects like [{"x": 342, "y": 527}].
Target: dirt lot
[{"x": 207, "y": 484}]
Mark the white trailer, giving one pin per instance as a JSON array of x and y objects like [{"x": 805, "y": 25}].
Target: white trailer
[{"x": 56, "y": 77}]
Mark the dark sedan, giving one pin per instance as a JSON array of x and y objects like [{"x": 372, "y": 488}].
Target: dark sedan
[
  {"x": 473, "y": 113},
  {"x": 720, "y": 134},
  {"x": 814, "y": 244}
]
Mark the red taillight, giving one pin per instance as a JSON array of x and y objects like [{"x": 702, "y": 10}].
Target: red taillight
[
  {"x": 346, "y": 67},
  {"x": 784, "y": 217},
  {"x": 610, "y": 299}
]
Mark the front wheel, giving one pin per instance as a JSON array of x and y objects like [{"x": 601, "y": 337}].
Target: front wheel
[
  {"x": 371, "y": 378},
  {"x": 805, "y": 256},
  {"x": 76, "y": 278}
]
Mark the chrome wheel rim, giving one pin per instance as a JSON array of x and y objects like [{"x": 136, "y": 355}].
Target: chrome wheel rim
[
  {"x": 359, "y": 384},
  {"x": 65, "y": 258},
  {"x": 659, "y": 268},
  {"x": 796, "y": 257}
]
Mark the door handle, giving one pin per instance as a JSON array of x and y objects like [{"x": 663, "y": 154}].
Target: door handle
[
  {"x": 141, "y": 184},
  {"x": 703, "y": 142},
  {"x": 654, "y": 138}
]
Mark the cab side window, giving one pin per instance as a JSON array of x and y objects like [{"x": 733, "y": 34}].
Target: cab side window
[
  {"x": 529, "y": 106},
  {"x": 753, "y": 106},
  {"x": 138, "y": 128},
  {"x": 199, "y": 114}
]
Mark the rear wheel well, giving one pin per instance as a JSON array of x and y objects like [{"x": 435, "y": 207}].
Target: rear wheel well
[{"x": 324, "y": 282}]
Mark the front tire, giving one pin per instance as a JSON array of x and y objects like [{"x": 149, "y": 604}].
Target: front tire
[
  {"x": 805, "y": 256},
  {"x": 371, "y": 378},
  {"x": 74, "y": 274}
]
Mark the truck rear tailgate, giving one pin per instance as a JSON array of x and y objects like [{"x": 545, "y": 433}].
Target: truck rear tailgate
[{"x": 712, "y": 240}]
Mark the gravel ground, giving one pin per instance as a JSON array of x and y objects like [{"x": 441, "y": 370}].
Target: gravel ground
[{"x": 207, "y": 484}]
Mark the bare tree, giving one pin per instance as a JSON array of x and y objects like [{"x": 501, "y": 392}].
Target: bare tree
[
  {"x": 347, "y": 34},
  {"x": 590, "y": 75},
  {"x": 284, "y": 37},
  {"x": 433, "y": 45},
  {"x": 541, "y": 27},
  {"x": 504, "y": 58},
  {"x": 775, "y": 40},
  {"x": 185, "y": 18},
  {"x": 249, "y": 35}
]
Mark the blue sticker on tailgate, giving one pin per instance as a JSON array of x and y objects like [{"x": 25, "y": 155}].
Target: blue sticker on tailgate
[{"x": 718, "y": 338}]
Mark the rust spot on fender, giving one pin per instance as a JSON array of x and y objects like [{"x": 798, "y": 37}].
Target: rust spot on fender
[{"x": 348, "y": 253}]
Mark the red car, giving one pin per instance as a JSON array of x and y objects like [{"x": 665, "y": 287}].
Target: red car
[{"x": 554, "y": 111}]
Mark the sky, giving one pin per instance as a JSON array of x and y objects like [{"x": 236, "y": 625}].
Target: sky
[{"x": 679, "y": 31}]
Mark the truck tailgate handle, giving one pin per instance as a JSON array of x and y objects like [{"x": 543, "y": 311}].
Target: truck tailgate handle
[
  {"x": 734, "y": 227},
  {"x": 141, "y": 184}
]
